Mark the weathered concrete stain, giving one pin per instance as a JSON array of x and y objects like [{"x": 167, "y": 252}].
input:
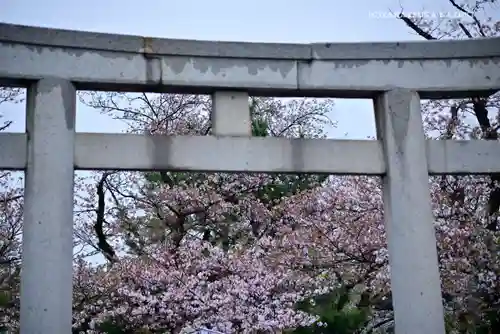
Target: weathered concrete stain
[
  {"x": 297, "y": 151},
  {"x": 67, "y": 93},
  {"x": 350, "y": 63},
  {"x": 176, "y": 64},
  {"x": 76, "y": 52},
  {"x": 217, "y": 66},
  {"x": 153, "y": 66},
  {"x": 147, "y": 45},
  {"x": 153, "y": 63},
  {"x": 158, "y": 150},
  {"x": 399, "y": 116}
]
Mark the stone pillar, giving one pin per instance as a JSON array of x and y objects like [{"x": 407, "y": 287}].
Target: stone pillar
[
  {"x": 47, "y": 258},
  {"x": 415, "y": 281},
  {"x": 231, "y": 114}
]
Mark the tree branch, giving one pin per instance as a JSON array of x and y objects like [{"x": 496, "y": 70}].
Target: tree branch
[
  {"x": 415, "y": 28},
  {"x": 472, "y": 16},
  {"x": 102, "y": 242},
  {"x": 465, "y": 30}
]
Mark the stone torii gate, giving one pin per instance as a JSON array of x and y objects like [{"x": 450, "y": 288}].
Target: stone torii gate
[{"x": 53, "y": 64}]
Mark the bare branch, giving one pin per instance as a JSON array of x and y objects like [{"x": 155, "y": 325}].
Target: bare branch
[
  {"x": 472, "y": 16},
  {"x": 102, "y": 243},
  {"x": 465, "y": 30},
  {"x": 415, "y": 27}
]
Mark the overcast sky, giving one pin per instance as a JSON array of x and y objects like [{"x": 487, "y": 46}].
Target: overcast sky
[{"x": 301, "y": 21}]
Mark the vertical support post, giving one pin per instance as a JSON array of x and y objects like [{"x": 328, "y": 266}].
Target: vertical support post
[
  {"x": 415, "y": 281},
  {"x": 231, "y": 114},
  {"x": 47, "y": 257}
]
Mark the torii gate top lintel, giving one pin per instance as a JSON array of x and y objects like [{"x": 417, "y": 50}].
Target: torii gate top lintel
[{"x": 283, "y": 69}]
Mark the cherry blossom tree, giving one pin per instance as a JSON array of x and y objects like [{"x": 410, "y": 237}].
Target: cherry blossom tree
[{"x": 11, "y": 204}]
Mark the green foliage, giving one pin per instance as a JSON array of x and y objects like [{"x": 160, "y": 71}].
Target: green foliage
[
  {"x": 469, "y": 324},
  {"x": 121, "y": 326},
  {"x": 111, "y": 327},
  {"x": 115, "y": 326},
  {"x": 283, "y": 186},
  {"x": 260, "y": 127},
  {"x": 5, "y": 298},
  {"x": 337, "y": 313}
]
